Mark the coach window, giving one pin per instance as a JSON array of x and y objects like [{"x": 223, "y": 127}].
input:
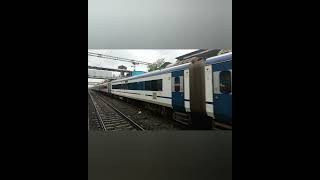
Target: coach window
[
  {"x": 225, "y": 82},
  {"x": 131, "y": 86},
  {"x": 143, "y": 86},
  {"x": 148, "y": 85},
  {"x": 139, "y": 86},
  {"x": 177, "y": 84},
  {"x": 135, "y": 86},
  {"x": 154, "y": 85}
]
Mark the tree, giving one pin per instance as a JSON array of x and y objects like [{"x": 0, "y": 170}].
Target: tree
[
  {"x": 164, "y": 65},
  {"x": 159, "y": 64}
]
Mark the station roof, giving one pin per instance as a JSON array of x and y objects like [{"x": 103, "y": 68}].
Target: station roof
[
  {"x": 205, "y": 53},
  {"x": 108, "y": 69}
]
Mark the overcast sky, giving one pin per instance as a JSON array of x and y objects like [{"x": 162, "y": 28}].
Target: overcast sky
[
  {"x": 158, "y": 24},
  {"x": 147, "y": 55}
]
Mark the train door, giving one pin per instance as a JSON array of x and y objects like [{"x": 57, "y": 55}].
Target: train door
[
  {"x": 222, "y": 93},
  {"x": 177, "y": 90}
]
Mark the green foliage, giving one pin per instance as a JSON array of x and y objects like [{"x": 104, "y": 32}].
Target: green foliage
[
  {"x": 164, "y": 65},
  {"x": 159, "y": 64}
]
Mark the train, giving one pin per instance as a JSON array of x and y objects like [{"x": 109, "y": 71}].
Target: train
[
  {"x": 103, "y": 87},
  {"x": 197, "y": 93}
]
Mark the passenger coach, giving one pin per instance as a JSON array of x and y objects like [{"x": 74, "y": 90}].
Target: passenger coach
[{"x": 194, "y": 93}]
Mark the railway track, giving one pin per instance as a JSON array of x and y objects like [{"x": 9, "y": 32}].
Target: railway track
[
  {"x": 146, "y": 118},
  {"x": 106, "y": 117},
  {"x": 94, "y": 119}
]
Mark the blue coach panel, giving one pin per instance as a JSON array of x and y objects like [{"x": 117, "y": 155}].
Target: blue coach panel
[
  {"x": 178, "y": 90},
  {"x": 222, "y": 102}
]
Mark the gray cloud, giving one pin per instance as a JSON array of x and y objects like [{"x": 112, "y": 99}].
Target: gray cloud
[{"x": 160, "y": 24}]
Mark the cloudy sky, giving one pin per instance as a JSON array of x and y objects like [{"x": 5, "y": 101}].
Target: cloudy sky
[
  {"x": 158, "y": 24},
  {"x": 147, "y": 55}
]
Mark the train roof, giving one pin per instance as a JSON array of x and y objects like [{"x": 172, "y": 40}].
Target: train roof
[
  {"x": 219, "y": 59},
  {"x": 157, "y": 72},
  {"x": 212, "y": 60}
]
